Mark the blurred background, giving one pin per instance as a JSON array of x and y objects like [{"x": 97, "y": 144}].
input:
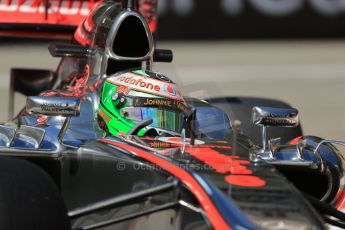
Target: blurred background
[{"x": 292, "y": 50}]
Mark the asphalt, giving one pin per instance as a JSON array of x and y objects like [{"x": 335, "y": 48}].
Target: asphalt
[{"x": 309, "y": 75}]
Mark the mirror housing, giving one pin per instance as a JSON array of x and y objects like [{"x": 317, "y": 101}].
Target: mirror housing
[
  {"x": 275, "y": 117},
  {"x": 53, "y": 106}
]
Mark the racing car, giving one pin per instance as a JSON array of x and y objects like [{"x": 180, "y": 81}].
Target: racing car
[{"x": 106, "y": 142}]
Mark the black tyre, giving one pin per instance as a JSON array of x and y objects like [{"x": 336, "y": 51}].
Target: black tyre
[
  {"x": 240, "y": 108},
  {"x": 29, "y": 198}
]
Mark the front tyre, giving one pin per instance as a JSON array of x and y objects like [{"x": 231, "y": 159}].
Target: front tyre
[{"x": 29, "y": 198}]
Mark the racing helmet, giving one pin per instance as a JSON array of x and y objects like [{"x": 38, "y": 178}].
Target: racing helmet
[{"x": 129, "y": 98}]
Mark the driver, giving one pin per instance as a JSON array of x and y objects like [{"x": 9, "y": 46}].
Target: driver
[{"x": 141, "y": 103}]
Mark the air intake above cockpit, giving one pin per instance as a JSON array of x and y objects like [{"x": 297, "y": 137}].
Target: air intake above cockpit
[
  {"x": 131, "y": 39},
  {"x": 129, "y": 43}
]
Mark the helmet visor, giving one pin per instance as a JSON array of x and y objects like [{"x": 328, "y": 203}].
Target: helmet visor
[{"x": 163, "y": 119}]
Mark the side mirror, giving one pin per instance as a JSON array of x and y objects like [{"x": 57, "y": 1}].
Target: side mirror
[
  {"x": 277, "y": 117},
  {"x": 274, "y": 117},
  {"x": 68, "y": 50},
  {"x": 53, "y": 106}
]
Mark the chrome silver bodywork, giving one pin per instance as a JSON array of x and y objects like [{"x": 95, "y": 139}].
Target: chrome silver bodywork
[
  {"x": 69, "y": 121},
  {"x": 109, "y": 53},
  {"x": 53, "y": 134},
  {"x": 101, "y": 56},
  {"x": 272, "y": 117},
  {"x": 309, "y": 153}
]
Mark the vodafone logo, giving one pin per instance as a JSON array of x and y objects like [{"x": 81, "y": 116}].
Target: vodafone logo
[
  {"x": 136, "y": 81},
  {"x": 147, "y": 84}
]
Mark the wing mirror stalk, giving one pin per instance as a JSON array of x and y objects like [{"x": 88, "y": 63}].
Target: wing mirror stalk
[
  {"x": 273, "y": 117},
  {"x": 55, "y": 106}
]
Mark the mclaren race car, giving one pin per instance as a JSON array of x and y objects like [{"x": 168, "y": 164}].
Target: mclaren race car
[{"x": 105, "y": 142}]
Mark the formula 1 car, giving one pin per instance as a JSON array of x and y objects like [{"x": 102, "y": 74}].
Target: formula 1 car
[{"x": 106, "y": 143}]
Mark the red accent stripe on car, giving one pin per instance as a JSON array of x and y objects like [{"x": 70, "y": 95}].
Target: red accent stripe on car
[
  {"x": 224, "y": 164},
  {"x": 340, "y": 204},
  {"x": 211, "y": 211},
  {"x": 295, "y": 141}
]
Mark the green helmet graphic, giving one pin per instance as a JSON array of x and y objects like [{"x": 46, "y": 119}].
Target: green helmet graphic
[{"x": 130, "y": 98}]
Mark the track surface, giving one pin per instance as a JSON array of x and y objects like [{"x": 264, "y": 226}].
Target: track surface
[{"x": 309, "y": 75}]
